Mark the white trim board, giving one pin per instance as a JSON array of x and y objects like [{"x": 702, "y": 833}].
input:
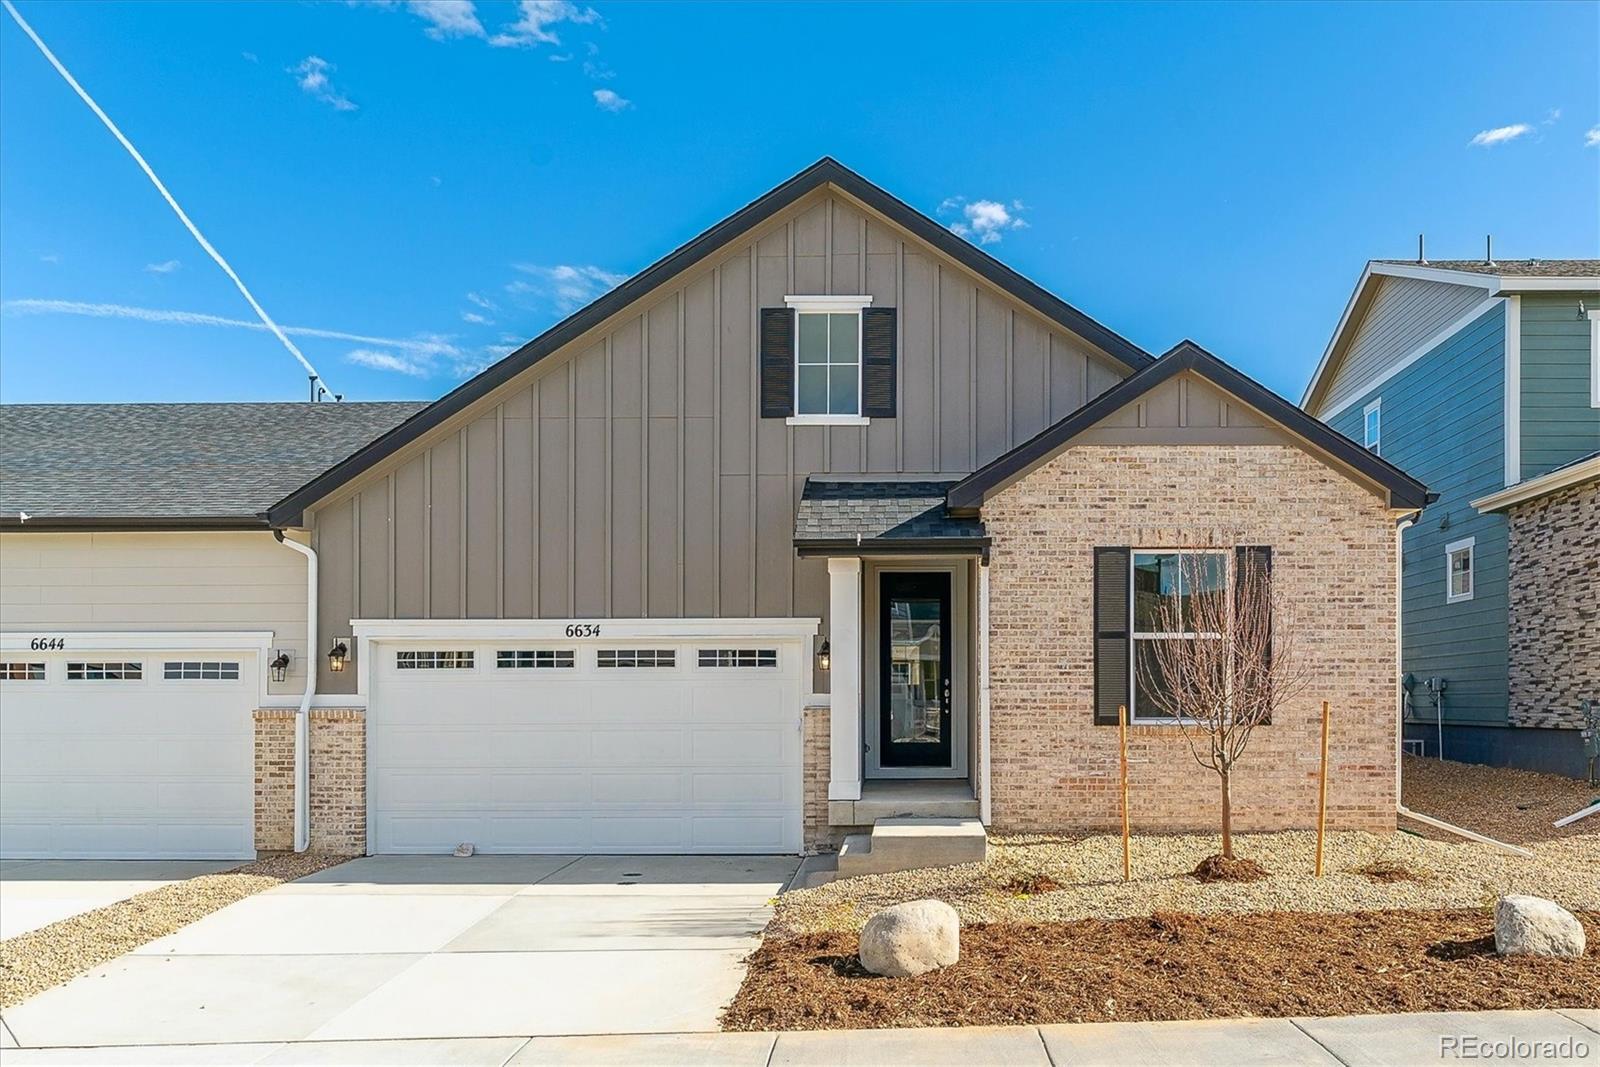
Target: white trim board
[
  {"x": 1594, "y": 359},
  {"x": 1540, "y": 486},
  {"x": 1476, "y": 312},
  {"x": 1513, "y": 390},
  {"x": 555, "y": 629}
]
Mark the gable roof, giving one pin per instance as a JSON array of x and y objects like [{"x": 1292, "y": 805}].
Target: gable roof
[
  {"x": 171, "y": 466},
  {"x": 1493, "y": 277},
  {"x": 870, "y": 515},
  {"x": 826, "y": 171},
  {"x": 970, "y": 493}
]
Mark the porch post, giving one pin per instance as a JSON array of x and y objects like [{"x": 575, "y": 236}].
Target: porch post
[
  {"x": 844, "y": 701},
  {"x": 985, "y": 794}
]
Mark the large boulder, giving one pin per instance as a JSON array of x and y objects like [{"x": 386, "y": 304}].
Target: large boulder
[
  {"x": 1533, "y": 926},
  {"x": 911, "y": 938}
]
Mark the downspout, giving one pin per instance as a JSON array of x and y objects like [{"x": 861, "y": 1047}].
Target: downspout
[
  {"x": 302, "y": 721},
  {"x": 985, "y": 808}
]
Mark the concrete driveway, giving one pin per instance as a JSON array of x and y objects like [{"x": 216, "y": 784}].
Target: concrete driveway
[
  {"x": 35, "y": 893},
  {"x": 436, "y": 947}
]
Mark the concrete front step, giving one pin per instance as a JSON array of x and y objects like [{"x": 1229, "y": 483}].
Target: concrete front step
[{"x": 908, "y": 844}]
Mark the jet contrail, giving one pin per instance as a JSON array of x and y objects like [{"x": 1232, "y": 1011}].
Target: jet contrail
[
  {"x": 422, "y": 346},
  {"x": 162, "y": 189}
]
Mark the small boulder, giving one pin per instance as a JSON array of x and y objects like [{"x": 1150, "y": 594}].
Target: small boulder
[
  {"x": 1533, "y": 926},
  {"x": 911, "y": 938}
]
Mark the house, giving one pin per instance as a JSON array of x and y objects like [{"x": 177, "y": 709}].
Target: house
[
  {"x": 1483, "y": 379},
  {"x": 825, "y": 517}
]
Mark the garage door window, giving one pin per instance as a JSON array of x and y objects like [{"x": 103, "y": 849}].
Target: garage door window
[
  {"x": 738, "y": 657},
  {"x": 432, "y": 661},
  {"x": 22, "y": 672},
  {"x": 637, "y": 657},
  {"x": 554, "y": 658},
  {"x": 105, "y": 672},
  {"x": 201, "y": 671}
]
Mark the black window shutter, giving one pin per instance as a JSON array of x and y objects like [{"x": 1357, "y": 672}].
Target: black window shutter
[
  {"x": 878, "y": 374},
  {"x": 1256, "y": 559},
  {"x": 777, "y": 363},
  {"x": 1112, "y": 646}
]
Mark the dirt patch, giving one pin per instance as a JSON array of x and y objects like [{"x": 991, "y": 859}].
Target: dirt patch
[
  {"x": 1388, "y": 872},
  {"x": 1506, "y": 804},
  {"x": 1028, "y": 885},
  {"x": 1168, "y": 966},
  {"x": 35, "y": 961},
  {"x": 1228, "y": 869}
]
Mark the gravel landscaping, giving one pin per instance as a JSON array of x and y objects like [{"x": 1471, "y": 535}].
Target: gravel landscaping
[
  {"x": 1169, "y": 966},
  {"x": 52, "y": 955}
]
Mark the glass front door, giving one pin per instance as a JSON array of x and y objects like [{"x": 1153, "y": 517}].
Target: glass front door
[{"x": 914, "y": 669}]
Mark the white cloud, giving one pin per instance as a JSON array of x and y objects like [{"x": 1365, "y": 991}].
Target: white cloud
[
  {"x": 983, "y": 221},
  {"x": 481, "y": 301},
  {"x": 535, "y": 19},
  {"x": 312, "y": 75},
  {"x": 51, "y": 258},
  {"x": 1552, "y": 116},
  {"x": 1591, "y": 139},
  {"x": 366, "y": 357},
  {"x": 568, "y": 287},
  {"x": 447, "y": 18},
  {"x": 476, "y": 319},
  {"x": 250, "y": 57},
  {"x": 1500, "y": 134},
  {"x": 166, "y": 267},
  {"x": 607, "y": 100}
]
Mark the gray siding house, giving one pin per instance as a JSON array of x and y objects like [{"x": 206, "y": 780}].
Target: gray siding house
[{"x": 1483, "y": 379}]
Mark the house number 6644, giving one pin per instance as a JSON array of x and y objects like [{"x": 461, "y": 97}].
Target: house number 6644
[
  {"x": 583, "y": 629},
  {"x": 47, "y": 644}
]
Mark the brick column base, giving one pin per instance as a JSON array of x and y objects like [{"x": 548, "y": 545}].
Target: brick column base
[{"x": 338, "y": 780}]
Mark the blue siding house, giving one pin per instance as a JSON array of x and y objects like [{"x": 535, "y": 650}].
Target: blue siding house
[{"x": 1482, "y": 379}]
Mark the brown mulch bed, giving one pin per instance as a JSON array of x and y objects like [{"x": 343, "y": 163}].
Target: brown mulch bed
[
  {"x": 1168, "y": 966},
  {"x": 1503, "y": 803},
  {"x": 35, "y": 961}
]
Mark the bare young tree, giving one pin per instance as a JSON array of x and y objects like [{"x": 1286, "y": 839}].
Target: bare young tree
[{"x": 1227, "y": 658}]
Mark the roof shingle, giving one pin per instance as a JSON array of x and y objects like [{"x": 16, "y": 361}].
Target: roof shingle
[
  {"x": 885, "y": 511},
  {"x": 1517, "y": 268}
]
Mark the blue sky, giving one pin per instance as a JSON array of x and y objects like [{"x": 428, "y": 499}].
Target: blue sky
[{"x": 425, "y": 186}]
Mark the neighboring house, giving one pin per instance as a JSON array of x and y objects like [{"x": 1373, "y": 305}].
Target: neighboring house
[
  {"x": 826, "y": 516},
  {"x": 1483, "y": 379}
]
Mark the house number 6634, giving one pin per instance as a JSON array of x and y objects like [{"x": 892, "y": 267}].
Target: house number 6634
[{"x": 583, "y": 629}]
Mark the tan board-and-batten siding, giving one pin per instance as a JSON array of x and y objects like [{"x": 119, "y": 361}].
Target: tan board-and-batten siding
[{"x": 630, "y": 476}]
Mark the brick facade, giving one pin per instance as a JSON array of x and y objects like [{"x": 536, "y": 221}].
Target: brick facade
[
  {"x": 817, "y": 835},
  {"x": 1554, "y": 612},
  {"x": 1333, "y": 564},
  {"x": 338, "y": 780}
]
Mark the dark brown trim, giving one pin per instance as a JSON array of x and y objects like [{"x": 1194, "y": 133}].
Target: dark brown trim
[
  {"x": 968, "y": 495},
  {"x": 903, "y": 546},
  {"x": 826, "y": 171},
  {"x": 57, "y": 524}
]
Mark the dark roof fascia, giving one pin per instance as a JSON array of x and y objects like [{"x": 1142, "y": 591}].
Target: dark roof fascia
[
  {"x": 290, "y": 510},
  {"x": 1404, "y": 491},
  {"x": 62, "y": 523},
  {"x": 891, "y": 546}
]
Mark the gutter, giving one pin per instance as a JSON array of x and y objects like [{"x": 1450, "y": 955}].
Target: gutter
[{"x": 302, "y": 719}]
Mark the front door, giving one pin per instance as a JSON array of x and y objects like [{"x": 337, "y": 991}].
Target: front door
[{"x": 914, "y": 669}]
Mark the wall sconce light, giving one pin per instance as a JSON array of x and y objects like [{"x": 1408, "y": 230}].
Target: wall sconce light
[
  {"x": 280, "y": 665},
  {"x": 824, "y": 657},
  {"x": 338, "y": 655}
]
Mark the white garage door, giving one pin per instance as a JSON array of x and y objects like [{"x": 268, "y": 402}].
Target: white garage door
[
  {"x": 648, "y": 746},
  {"x": 127, "y": 754}
]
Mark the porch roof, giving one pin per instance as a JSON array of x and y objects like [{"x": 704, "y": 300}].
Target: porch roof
[{"x": 879, "y": 516}]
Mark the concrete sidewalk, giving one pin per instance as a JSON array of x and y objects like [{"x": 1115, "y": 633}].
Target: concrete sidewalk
[{"x": 1503, "y": 1037}]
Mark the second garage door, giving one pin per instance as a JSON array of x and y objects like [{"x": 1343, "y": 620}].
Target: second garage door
[{"x": 651, "y": 746}]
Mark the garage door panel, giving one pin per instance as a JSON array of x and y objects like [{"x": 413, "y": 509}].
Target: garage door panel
[
  {"x": 586, "y": 759},
  {"x": 174, "y": 799},
  {"x": 188, "y": 755}
]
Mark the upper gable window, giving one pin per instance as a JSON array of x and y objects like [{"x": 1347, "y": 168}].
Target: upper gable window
[
  {"x": 1372, "y": 426},
  {"x": 827, "y": 348}
]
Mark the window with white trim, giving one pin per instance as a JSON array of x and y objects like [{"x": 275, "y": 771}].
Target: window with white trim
[
  {"x": 21, "y": 672},
  {"x": 636, "y": 657},
  {"x": 738, "y": 657},
  {"x": 433, "y": 660},
  {"x": 201, "y": 671},
  {"x": 1158, "y": 575},
  {"x": 827, "y": 356},
  {"x": 537, "y": 658},
  {"x": 105, "y": 671},
  {"x": 1372, "y": 426},
  {"x": 1458, "y": 575}
]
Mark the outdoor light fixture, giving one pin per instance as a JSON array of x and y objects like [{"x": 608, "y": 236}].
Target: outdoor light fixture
[
  {"x": 824, "y": 657},
  {"x": 280, "y": 667},
  {"x": 338, "y": 656}
]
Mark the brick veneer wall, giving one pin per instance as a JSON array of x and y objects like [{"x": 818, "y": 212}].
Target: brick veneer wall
[
  {"x": 815, "y": 772},
  {"x": 338, "y": 780},
  {"x": 1554, "y": 612},
  {"x": 1333, "y": 562}
]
